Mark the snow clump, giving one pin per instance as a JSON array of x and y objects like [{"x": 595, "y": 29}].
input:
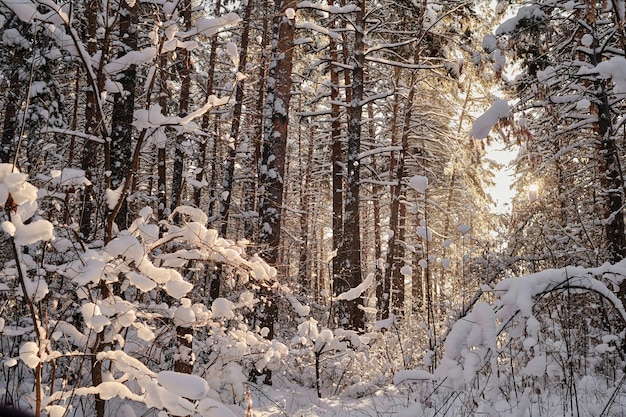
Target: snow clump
[
  {"x": 16, "y": 190},
  {"x": 419, "y": 183},
  {"x": 484, "y": 123}
]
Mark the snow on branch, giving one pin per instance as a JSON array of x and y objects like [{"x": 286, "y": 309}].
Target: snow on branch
[
  {"x": 26, "y": 11},
  {"x": 528, "y": 13},
  {"x": 319, "y": 29},
  {"x": 154, "y": 117},
  {"x": 210, "y": 26},
  {"x": 614, "y": 69},
  {"x": 357, "y": 291},
  {"x": 483, "y": 124},
  {"x": 15, "y": 190},
  {"x": 329, "y": 9},
  {"x": 377, "y": 150}
]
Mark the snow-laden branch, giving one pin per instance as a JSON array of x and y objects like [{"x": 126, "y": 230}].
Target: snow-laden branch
[
  {"x": 357, "y": 291},
  {"x": 154, "y": 117},
  {"x": 76, "y": 133},
  {"x": 484, "y": 123},
  {"x": 402, "y": 64},
  {"x": 351, "y": 8},
  {"x": 319, "y": 29},
  {"x": 376, "y": 151}
]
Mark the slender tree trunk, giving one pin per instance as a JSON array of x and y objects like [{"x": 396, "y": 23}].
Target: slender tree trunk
[
  {"x": 349, "y": 314},
  {"x": 612, "y": 181},
  {"x": 386, "y": 287},
  {"x": 417, "y": 283},
  {"x": 395, "y": 254},
  {"x": 89, "y": 160},
  {"x": 161, "y": 144},
  {"x": 184, "y": 333},
  {"x": 89, "y": 163},
  {"x": 184, "y": 71},
  {"x": 336, "y": 158},
  {"x": 229, "y": 170},
  {"x": 123, "y": 108},
  {"x": 214, "y": 274},
  {"x": 206, "y": 121},
  {"x": 12, "y": 102},
  {"x": 395, "y": 251},
  {"x": 273, "y": 157},
  {"x": 398, "y": 294},
  {"x": 378, "y": 253},
  {"x": 251, "y": 227},
  {"x": 304, "y": 176}
]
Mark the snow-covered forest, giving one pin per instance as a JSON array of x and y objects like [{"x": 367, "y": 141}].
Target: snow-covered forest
[{"x": 286, "y": 208}]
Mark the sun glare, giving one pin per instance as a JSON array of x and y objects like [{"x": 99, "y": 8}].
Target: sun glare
[
  {"x": 501, "y": 192},
  {"x": 533, "y": 192}
]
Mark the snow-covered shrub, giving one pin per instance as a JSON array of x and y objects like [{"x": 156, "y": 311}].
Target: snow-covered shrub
[
  {"x": 95, "y": 320},
  {"x": 549, "y": 336},
  {"x": 333, "y": 361}
]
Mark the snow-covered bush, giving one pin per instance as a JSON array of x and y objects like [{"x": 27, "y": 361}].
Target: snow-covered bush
[
  {"x": 102, "y": 321},
  {"x": 549, "y": 336}
]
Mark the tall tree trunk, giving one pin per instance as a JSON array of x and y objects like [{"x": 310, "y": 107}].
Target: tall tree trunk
[
  {"x": 349, "y": 314},
  {"x": 229, "y": 169},
  {"x": 184, "y": 332},
  {"x": 123, "y": 108},
  {"x": 184, "y": 71},
  {"x": 273, "y": 156},
  {"x": 395, "y": 251},
  {"x": 304, "y": 273},
  {"x": 336, "y": 157},
  {"x": 12, "y": 102},
  {"x": 161, "y": 144},
  {"x": 385, "y": 286},
  {"x": 206, "y": 121},
  {"x": 612, "y": 181},
  {"x": 89, "y": 161},
  {"x": 417, "y": 283},
  {"x": 381, "y": 296},
  {"x": 213, "y": 274},
  {"x": 251, "y": 227},
  {"x": 398, "y": 294}
]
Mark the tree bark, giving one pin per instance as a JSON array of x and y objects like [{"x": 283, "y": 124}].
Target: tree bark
[
  {"x": 336, "y": 157},
  {"x": 349, "y": 314},
  {"x": 612, "y": 182},
  {"x": 385, "y": 288},
  {"x": 304, "y": 273},
  {"x": 206, "y": 121},
  {"x": 89, "y": 161},
  {"x": 123, "y": 110},
  {"x": 184, "y": 71},
  {"x": 252, "y": 206},
  {"x": 273, "y": 156},
  {"x": 229, "y": 170},
  {"x": 161, "y": 154},
  {"x": 12, "y": 102}
]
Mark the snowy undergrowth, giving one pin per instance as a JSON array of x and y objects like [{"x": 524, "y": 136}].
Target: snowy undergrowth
[
  {"x": 95, "y": 321},
  {"x": 550, "y": 344},
  {"x": 546, "y": 344},
  {"x": 88, "y": 321}
]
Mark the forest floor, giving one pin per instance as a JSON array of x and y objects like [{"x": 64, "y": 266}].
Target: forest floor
[{"x": 296, "y": 401}]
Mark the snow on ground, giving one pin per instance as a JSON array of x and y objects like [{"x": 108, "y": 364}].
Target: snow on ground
[{"x": 295, "y": 401}]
